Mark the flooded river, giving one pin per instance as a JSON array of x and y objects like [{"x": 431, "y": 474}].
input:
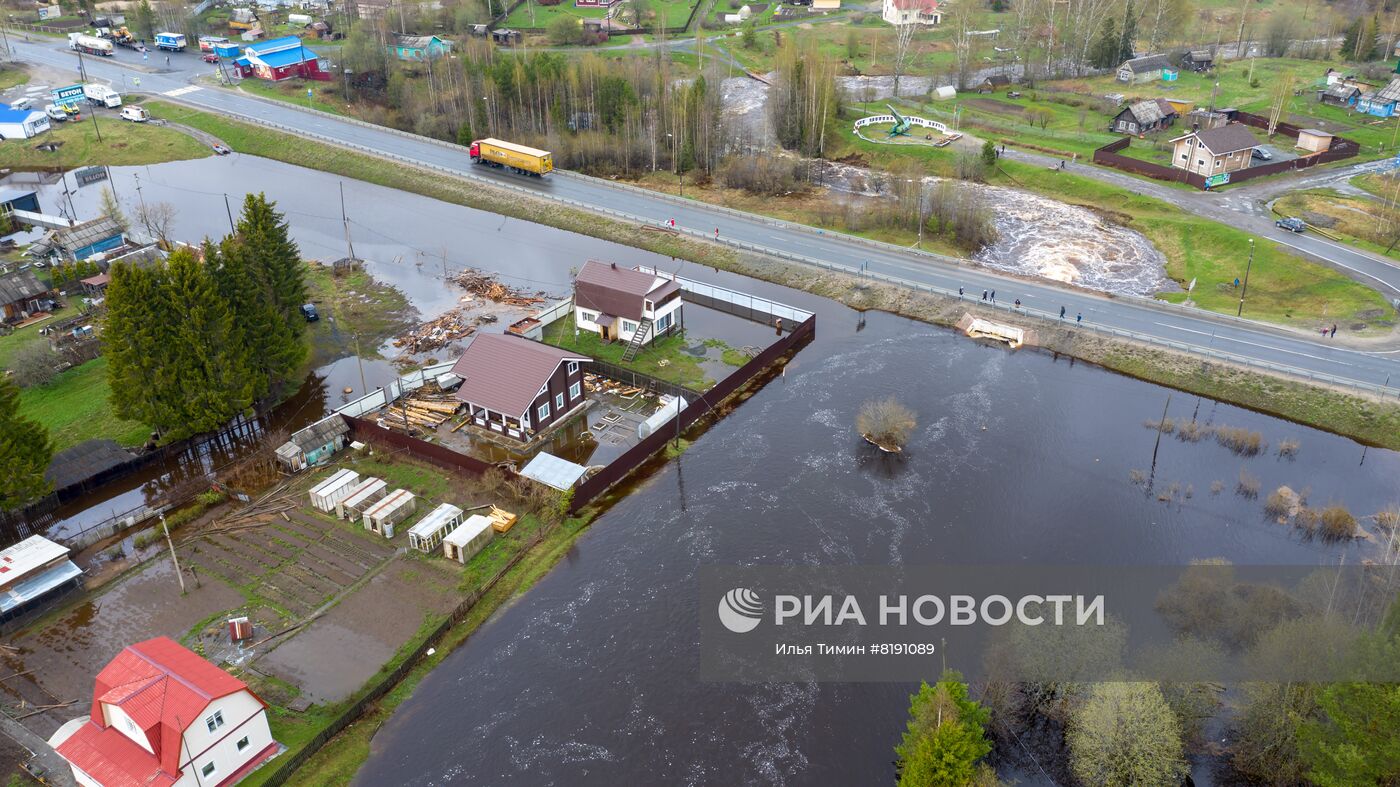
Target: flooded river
[{"x": 1019, "y": 458}]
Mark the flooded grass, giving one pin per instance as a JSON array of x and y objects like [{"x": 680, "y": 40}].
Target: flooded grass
[
  {"x": 1247, "y": 485},
  {"x": 1241, "y": 441}
]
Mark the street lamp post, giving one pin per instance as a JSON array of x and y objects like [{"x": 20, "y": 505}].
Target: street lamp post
[
  {"x": 345, "y": 72},
  {"x": 1245, "y": 288}
]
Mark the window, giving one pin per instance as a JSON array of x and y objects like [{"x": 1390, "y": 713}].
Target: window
[
  {"x": 648, "y": 306},
  {"x": 208, "y": 769},
  {"x": 574, "y": 391},
  {"x": 216, "y": 721},
  {"x": 665, "y": 321},
  {"x": 1183, "y": 156},
  {"x": 544, "y": 411},
  {"x": 588, "y": 316},
  {"x": 1200, "y": 162},
  {"x": 628, "y": 326},
  {"x": 243, "y": 743},
  {"x": 1218, "y": 162},
  {"x": 559, "y": 402},
  {"x": 573, "y": 367}
]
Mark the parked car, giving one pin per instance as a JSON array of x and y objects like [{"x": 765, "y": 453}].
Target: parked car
[
  {"x": 55, "y": 113},
  {"x": 210, "y": 57},
  {"x": 1263, "y": 155},
  {"x": 220, "y": 149},
  {"x": 135, "y": 114},
  {"x": 1292, "y": 224},
  {"x": 22, "y": 103},
  {"x": 1014, "y": 94},
  {"x": 308, "y": 310}
]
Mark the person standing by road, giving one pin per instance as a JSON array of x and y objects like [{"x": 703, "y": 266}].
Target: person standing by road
[
  {"x": 960, "y": 291},
  {"x": 1078, "y": 318},
  {"x": 1062, "y": 312},
  {"x": 984, "y": 295},
  {"x": 1334, "y": 330}
]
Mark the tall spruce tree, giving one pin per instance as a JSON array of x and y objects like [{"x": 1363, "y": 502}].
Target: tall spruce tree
[
  {"x": 137, "y": 341},
  {"x": 1104, "y": 53},
  {"x": 25, "y": 451},
  {"x": 274, "y": 353},
  {"x": 945, "y": 737},
  {"x": 209, "y": 368},
  {"x": 275, "y": 259}
]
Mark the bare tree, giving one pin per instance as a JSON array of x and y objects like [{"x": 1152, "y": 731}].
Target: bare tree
[
  {"x": 886, "y": 423},
  {"x": 903, "y": 38},
  {"x": 158, "y": 218}
]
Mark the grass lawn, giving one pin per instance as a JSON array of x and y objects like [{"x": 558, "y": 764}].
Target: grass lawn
[
  {"x": 74, "y": 408},
  {"x": 533, "y": 16},
  {"x": 353, "y": 305},
  {"x": 680, "y": 367},
  {"x": 123, "y": 144},
  {"x": 24, "y": 337},
  {"x": 1365, "y": 222},
  {"x": 327, "y": 96},
  {"x": 11, "y": 75}
]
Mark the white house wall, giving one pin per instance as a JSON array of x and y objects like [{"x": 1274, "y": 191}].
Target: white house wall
[
  {"x": 244, "y": 716},
  {"x": 118, "y": 718}
]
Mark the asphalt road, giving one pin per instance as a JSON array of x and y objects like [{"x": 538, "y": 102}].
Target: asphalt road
[{"x": 1192, "y": 329}]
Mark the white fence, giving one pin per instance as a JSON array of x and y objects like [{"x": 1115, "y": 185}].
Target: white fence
[
  {"x": 555, "y": 312},
  {"x": 913, "y": 121},
  {"x": 726, "y": 295},
  {"x": 410, "y": 382}
]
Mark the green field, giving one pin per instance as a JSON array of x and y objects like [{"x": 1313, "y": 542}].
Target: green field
[
  {"x": 123, "y": 144},
  {"x": 664, "y": 358},
  {"x": 533, "y": 16},
  {"x": 29, "y": 335},
  {"x": 74, "y": 408}
]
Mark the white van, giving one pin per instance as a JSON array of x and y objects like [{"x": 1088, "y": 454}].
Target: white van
[
  {"x": 135, "y": 114},
  {"x": 56, "y": 113}
]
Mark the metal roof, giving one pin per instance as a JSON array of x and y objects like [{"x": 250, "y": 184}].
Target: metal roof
[
  {"x": 285, "y": 57},
  {"x": 1228, "y": 138},
  {"x": 86, "y": 234},
  {"x": 436, "y": 520},
  {"x": 27, "y": 556},
  {"x": 320, "y": 433},
  {"x": 1387, "y": 94},
  {"x": 1147, "y": 113},
  {"x": 20, "y": 286},
  {"x": 36, "y": 586},
  {"x": 85, "y": 460},
  {"x": 464, "y": 533},
  {"x": 610, "y": 288},
  {"x": 550, "y": 470},
  {"x": 1139, "y": 65},
  {"x": 505, "y": 373}
]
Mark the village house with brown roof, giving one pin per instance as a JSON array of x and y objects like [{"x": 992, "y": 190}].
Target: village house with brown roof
[
  {"x": 1215, "y": 150},
  {"x": 518, "y": 388},
  {"x": 624, "y": 304}
]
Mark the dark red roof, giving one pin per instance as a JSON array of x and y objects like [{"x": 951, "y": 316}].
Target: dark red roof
[
  {"x": 505, "y": 373},
  {"x": 609, "y": 288},
  {"x": 164, "y": 687}
]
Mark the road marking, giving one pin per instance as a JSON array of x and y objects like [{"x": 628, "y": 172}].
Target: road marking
[
  {"x": 1335, "y": 262},
  {"x": 180, "y": 91},
  {"x": 1254, "y": 344}
]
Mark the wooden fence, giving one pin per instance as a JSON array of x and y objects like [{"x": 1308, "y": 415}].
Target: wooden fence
[
  {"x": 1342, "y": 148},
  {"x": 633, "y": 457}
]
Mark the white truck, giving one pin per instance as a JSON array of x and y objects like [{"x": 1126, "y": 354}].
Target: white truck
[
  {"x": 102, "y": 96},
  {"x": 92, "y": 45},
  {"x": 170, "y": 42}
]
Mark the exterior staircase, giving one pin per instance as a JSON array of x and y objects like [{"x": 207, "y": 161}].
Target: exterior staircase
[{"x": 638, "y": 339}]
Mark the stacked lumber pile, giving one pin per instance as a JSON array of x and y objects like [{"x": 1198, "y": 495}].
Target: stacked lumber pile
[
  {"x": 596, "y": 383},
  {"x": 422, "y": 409},
  {"x": 438, "y": 333},
  {"x": 272, "y": 504},
  {"x": 501, "y": 520},
  {"x": 486, "y": 286}
]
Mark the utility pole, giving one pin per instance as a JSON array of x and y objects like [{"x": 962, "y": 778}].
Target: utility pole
[
  {"x": 349, "y": 247},
  {"x": 173, "y": 558},
  {"x": 232, "y": 229},
  {"x": 1245, "y": 288}
]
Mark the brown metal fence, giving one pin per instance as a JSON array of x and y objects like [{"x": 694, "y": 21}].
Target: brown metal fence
[
  {"x": 1342, "y": 148},
  {"x": 620, "y": 467},
  {"x": 445, "y": 458}
]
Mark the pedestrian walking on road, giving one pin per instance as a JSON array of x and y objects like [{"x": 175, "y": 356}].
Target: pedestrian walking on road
[
  {"x": 994, "y": 296},
  {"x": 960, "y": 292},
  {"x": 716, "y": 233},
  {"x": 1062, "y": 312},
  {"x": 1078, "y": 318},
  {"x": 984, "y": 295},
  {"x": 1334, "y": 330}
]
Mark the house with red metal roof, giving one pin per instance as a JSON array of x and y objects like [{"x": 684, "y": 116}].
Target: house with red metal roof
[
  {"x": 518, "y": 388},
  {"x": 161, "y": 717},
  {"x": 625, "y": 304}
]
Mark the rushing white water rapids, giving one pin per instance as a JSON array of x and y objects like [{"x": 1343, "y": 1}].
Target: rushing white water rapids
[{"x": 1038, "y": 236}]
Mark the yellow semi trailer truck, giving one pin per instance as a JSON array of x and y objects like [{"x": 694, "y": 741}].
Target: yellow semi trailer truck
[{"x": 516, "y": 158}]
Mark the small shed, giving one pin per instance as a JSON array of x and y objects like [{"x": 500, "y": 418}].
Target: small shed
[
  {"x": 389, "y": 511},
  {"x": 366, "y": 493},
  {"x": 314, "y": 444},
  {"x": 326, "y": 494},
  {"x": 994, "y": 83},
  {"x": 550, "y": 470},
  {"x": 21, "y": 123},
  {"x": 1314, "y": 141},
  {"x": 468, "y": 538},
  {"x": 945, "y": 92},
  {"x": 430, "y": 530}
]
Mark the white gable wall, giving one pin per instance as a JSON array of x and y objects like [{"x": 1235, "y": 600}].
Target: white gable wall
[
  {"x": 116, "y": 717},
  {"x": 244, "y": 717}
]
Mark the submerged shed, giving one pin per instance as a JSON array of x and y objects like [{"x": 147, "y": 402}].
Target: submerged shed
[
  {"x": 468, "y": 538},
  {"x": 326, "y": 494},
  {"x": 430, "y": 530}
]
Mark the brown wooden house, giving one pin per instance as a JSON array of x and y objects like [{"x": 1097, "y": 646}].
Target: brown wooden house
[
  {"x": 1214, "y": 151},
  {"x": 518, "y": 388},
  {"x": 21, "y": 294},
  {"x": 1144, "y": 117}
]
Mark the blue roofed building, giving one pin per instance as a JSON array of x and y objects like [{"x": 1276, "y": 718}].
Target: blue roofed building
[
  {"x": 282, "y": 58},
  {"x": 21, "y": 123},
  {"x": 81, "y": 241}
]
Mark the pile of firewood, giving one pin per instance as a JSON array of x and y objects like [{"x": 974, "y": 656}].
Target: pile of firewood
[
  {"x": 438, "y": 333},
  {"x": 485, "y": 286},
  {"x": 420, "y": 411}
]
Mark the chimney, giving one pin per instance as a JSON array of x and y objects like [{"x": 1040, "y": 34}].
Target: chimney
[{"x": 614, "y": 266}]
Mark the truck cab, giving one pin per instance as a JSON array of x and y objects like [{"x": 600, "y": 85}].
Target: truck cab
[{"x": 475, "y": 150}]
